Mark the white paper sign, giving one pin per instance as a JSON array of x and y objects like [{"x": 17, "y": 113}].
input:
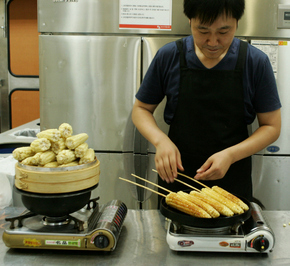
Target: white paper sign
[
  {"x": 270, "y": 48},
  {"x": 145, "y": 14}
]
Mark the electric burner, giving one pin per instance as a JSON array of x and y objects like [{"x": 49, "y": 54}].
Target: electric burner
[
  {"x": 252, "y": 235},
  {"x": 93, "y": 227}
]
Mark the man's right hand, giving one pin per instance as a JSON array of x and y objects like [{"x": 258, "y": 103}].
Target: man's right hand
[{"x": 167, "y": 160}]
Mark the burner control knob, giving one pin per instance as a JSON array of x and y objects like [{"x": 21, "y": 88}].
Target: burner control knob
[
  {"x": 260, "y": 243},
  {"x": 101, "y": 241}
]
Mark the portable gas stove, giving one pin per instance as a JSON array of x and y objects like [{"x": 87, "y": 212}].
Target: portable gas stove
[
  {"x": 93, "y": 227},
  {"x": 251, "y": 235}
]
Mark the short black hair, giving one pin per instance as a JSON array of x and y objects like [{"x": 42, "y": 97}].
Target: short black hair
[{"x": 207, "y": 11}]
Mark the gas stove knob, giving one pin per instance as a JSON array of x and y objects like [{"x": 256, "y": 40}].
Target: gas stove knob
[
  {"x": 260, "y": 243},
  {"x": 101, "y": 241}
]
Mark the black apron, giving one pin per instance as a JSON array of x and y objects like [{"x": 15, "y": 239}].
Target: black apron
[{"x": 209, "y": 118}]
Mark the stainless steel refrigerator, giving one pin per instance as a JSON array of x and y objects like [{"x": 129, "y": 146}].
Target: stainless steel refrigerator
[
  {"x": 91, "y": 66},
  {"x": 266, "y": 24}
]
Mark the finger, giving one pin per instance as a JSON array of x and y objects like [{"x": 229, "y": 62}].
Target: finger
[
  {"x": 170, "y": 168},
  {"x": 162, "y": 174},
  {"x": 202, "y": 176},
  {"x": 204, "y": 167},
  {"x": 179, "y": 163},
  {"x": 208, "y": 175},
  {"x": 162, "y": 171},
  {"x": 159, "y": 169},
  {"x": 175, "y": 164}
]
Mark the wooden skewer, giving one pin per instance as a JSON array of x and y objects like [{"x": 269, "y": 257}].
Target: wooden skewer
[
  {"x": 163, "y": 187},
  {"x": 186, "y": 177},
  {"x": 143, "y": 187},
  {"x": 181, "y": 182},
  {"x": 186, "y": 184},
  {"x": 193, "y": 179},
  {"x": 151, "y": 183}
]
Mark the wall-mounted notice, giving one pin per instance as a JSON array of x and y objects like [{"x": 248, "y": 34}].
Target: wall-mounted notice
[
  {"x": 270, "y": 48},
  {"x": 145, "y": 14}
]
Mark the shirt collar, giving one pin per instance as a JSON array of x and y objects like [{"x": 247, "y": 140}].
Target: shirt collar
[{"x": 233, "y": 48}]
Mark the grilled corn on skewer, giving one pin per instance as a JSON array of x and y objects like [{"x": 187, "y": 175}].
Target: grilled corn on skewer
[
  {"x": 231, "y": 197},
  {"x": 208, "y": 208},
  {"x": 221, "y": 208},
  {"x": 231, "y": 205},
  {"x": 179, "y": 203}
]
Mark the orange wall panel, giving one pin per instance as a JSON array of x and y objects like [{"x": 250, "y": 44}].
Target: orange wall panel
[
  {"x": 23, "y": 38},
  {"x": 24, "y": 106}
]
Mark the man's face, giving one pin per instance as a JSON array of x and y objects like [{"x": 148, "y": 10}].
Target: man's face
[{"x": 213, "y": 41}]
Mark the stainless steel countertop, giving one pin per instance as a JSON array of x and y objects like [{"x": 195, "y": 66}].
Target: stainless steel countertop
[{"x": 143, "y": 242}]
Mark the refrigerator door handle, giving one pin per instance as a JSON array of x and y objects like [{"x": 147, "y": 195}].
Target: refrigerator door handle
[{"x": 140, "y": 143}]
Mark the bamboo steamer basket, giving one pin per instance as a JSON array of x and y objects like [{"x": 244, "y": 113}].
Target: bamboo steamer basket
[{"x": 56, "y": 180}]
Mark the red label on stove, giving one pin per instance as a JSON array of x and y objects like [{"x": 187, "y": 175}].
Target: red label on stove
[
  {"x": 235, "y": 245},
  {"x": 185, "y": 243},
  {"x": 31, "y": 242}
]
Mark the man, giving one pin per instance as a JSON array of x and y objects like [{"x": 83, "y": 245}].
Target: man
[{"x": 215, "y": 86}]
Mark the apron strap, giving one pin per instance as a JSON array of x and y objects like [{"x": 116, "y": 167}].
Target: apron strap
[
  {"x": 242, "y": 55},
  {"x": 182, "y": 60}
]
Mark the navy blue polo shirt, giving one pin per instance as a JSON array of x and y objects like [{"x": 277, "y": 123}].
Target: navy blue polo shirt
[{"x": 163, "y": 76}]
